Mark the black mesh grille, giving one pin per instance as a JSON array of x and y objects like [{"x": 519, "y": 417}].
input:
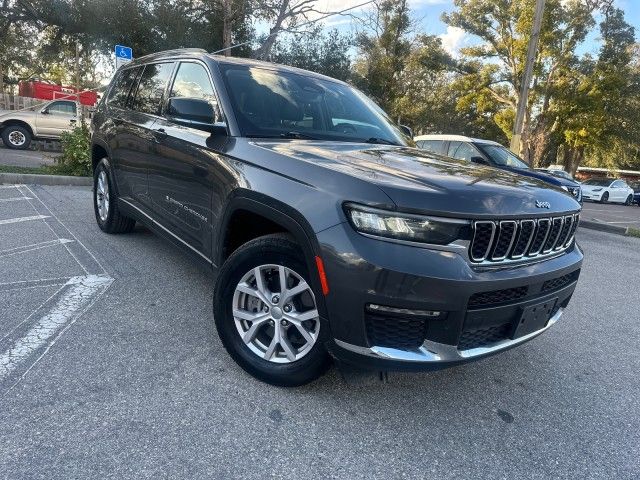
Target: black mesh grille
[
  {"x": 543, "y": 227},
  {"x": 497, "y": 297},
  {"x": 556, "y": 226},
  {"x": 526, "y": 230},
  {"x": 481, "y": 239},
  {"x": 560, "y": 282},
  {"x": 505, "y": 235},
  {"x": 574, "y": 227},
  {"x": 395, "y": 332},
  {"x": 482, "y": 337}
]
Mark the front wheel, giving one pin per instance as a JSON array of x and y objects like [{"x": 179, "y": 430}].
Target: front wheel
[
  {"x": 16, "y": 137},
  {"x": 266, "y": 313},
  {"x": 605, "y": 197},
  {"x": 105, "y": 202}
]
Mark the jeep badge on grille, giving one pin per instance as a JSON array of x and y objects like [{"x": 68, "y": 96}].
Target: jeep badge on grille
[{"x": 540, "y": 204}]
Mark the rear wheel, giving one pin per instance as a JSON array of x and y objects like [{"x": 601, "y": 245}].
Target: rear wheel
[
  {"x": 16, "y": 137},
  {"x": 266, "y": 313},
  {"x": 605, "y": 197},
  {"x": 105, "y": 202},
  {"x": 629, "y": 200}
]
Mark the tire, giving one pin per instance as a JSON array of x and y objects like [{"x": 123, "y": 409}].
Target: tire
[
  {"x": 629, "y": 200},
  {"x": 304, "y": 360},
  {"x": 605, "y": 197},
  {"x": 16, "y": 137},
  {"x": 108, "y": 216}
]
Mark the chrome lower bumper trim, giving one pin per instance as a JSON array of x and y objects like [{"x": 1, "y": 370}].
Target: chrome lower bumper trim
[{"x": 440, "y": 352}]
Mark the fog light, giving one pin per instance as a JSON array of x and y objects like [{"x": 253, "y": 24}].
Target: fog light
[{"x": 381, "y": 309}]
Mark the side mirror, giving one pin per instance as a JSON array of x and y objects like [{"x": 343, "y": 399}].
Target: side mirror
[
  {"x": 195, "y": 113},
  {"x": 479, "y": 160},
  {"x": 45, "y": 111},
  {"x": 406, "y": 130}
]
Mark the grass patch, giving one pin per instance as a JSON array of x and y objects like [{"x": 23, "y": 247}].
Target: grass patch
[
  {"x": 633, "y": 232},
  {"x": 37, "y": 170}
]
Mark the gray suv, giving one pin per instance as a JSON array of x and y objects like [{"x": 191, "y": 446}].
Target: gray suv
[{"x": 329, "y": 234}]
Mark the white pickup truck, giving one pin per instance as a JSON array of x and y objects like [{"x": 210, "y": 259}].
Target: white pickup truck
[{"x": 19, "y": 127}]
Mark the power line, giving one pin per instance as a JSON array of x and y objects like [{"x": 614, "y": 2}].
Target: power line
[{"x": 309, "y": 22}]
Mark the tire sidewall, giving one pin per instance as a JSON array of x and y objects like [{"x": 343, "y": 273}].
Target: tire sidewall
[
  {"x": 256, "y": 253},
  {"x": 7, "y": 131},
  {"x": 103, "y": 166}
]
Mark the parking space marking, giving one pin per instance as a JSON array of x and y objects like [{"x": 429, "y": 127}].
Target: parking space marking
[
  {"x": 14, "y": 199},
  {"x": 35, "y": 246},
  {"x": 11, "y": 186},
  {"x": 80, "y": 253},
  {"x": 22, "y": 219},
  {"x": 79, "y": 293}
]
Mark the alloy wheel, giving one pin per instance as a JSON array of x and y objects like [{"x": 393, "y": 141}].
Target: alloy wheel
[
  {"x": 275, "y": 313},
  {"x": 102, "y": 196}
]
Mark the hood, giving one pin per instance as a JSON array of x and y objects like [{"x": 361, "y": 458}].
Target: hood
[{"x": 418, "y": 181}]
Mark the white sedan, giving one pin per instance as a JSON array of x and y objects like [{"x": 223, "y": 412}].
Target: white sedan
[{"x": 607, "y": 190}]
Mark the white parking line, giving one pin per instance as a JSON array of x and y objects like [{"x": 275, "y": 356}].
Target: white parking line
[
  {"x": 35, "y": 246},
  {"x": 11, "y": 186},
  {"x": 22, "y": 219},
  {"x": 14, "y": 199},
  {"x": 80, "y": 294}
]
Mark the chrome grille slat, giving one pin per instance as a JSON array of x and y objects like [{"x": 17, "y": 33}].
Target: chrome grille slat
[{"x": 512, "y": 240}]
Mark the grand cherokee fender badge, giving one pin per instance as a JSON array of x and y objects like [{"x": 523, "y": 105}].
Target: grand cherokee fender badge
[{"x": 540, "y": 204}]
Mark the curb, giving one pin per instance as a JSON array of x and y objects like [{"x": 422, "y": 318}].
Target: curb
[
  {"x": 604, "y": 227},
  {"x": 35, "y": 179}
]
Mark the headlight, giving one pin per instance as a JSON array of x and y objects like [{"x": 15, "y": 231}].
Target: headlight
[
  {"x": 597, "y": 190},
  {"x": 413, "y": 228}
]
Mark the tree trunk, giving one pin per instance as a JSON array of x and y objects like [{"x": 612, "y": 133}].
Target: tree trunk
[
  {"x": 572, "y": 159},
  {"x": 226, "y": 27},
  {"x": 1, "y": 79},
  {"x": 263, "y": 52}
]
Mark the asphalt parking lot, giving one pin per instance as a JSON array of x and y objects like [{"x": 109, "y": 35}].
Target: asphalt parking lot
[
  {"x": 110, "y": 368},
  {"x": 26, "y": 158},
  {"x": 612, "y": 214}
]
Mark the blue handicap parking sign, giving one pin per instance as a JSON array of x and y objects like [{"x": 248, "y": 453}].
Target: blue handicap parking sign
[{"x": 124, "y": 52}]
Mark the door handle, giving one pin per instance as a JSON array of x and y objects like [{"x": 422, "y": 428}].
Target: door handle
[{"x": 73, "y": 120}]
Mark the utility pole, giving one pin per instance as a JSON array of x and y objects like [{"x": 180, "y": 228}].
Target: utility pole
[{"x": 526, "y": 79}]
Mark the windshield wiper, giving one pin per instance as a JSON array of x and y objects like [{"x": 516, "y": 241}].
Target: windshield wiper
[
  {"x": 294, "y": 134},
  {"x": 382, "y": 141}
]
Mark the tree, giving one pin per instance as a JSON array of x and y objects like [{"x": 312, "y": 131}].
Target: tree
[{"x": 325, "y": 53}]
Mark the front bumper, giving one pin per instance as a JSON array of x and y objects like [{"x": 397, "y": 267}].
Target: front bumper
[
  {"x": 592, "y": 196},
  {"x": 362, "y": 271}
]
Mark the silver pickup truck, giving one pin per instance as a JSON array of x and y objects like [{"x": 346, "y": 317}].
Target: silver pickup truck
[{"x": 49, "y": 120}]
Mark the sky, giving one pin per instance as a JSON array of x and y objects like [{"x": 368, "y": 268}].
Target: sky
[{"x": 427, "y": 14}]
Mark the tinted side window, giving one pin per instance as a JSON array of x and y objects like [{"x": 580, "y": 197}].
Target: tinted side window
[
  {"x": 64, "y": 108},
  {"x": 464, "y": 152},
  {"x": 618, "y": 184},
  {"x": 453, "y": 146},
  {"x": 151, "y": 88},
  {"x": 120, "y": 91},
  {"x": 433, "y": 146},
  {"x": 192, "y": 81}
]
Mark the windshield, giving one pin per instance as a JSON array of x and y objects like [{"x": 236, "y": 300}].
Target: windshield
[
  {"x": 598, "y": 182},
  {"x": 270, "y": 103},
  {"x": 502, "y": 156}
]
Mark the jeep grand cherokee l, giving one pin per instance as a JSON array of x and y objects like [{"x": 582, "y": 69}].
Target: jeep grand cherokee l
[{"x": 329, "y": 234}]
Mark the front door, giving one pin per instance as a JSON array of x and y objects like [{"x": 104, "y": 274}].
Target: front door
[
  {"x": 184, "y": 177},
  {"x": 55, "y": 118}
]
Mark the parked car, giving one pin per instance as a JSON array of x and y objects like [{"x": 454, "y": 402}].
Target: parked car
[
  {"x": 19, "y": 127},
  {"x": 636, "y": 192},
  {"x": 607, "y": 190},
  {"x": 487, "y": 152},
  {"x": 557, "y": 173},
  {"x": 326, "y": 231}
]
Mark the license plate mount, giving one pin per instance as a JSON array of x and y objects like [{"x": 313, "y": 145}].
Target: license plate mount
[{"x": 534, "y": 318}]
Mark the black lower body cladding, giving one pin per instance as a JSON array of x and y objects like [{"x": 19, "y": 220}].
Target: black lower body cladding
[{"x": 401, "y": 307}]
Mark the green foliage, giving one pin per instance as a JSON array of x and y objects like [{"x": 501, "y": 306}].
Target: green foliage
[{"x": 76, "y": 153}]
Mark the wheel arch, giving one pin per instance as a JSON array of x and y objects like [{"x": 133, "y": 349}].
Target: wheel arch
[
  {"x": 18, "y": 123},
  {"x": 274, "y": 213}
]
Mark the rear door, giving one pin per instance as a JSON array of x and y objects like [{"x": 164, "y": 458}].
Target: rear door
[
  {"x": 135, "y": 129},
  {"x": 55, "y": 118},
  {"x": 618, "y": 191},
  {"x": 186, "y": 174}
]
